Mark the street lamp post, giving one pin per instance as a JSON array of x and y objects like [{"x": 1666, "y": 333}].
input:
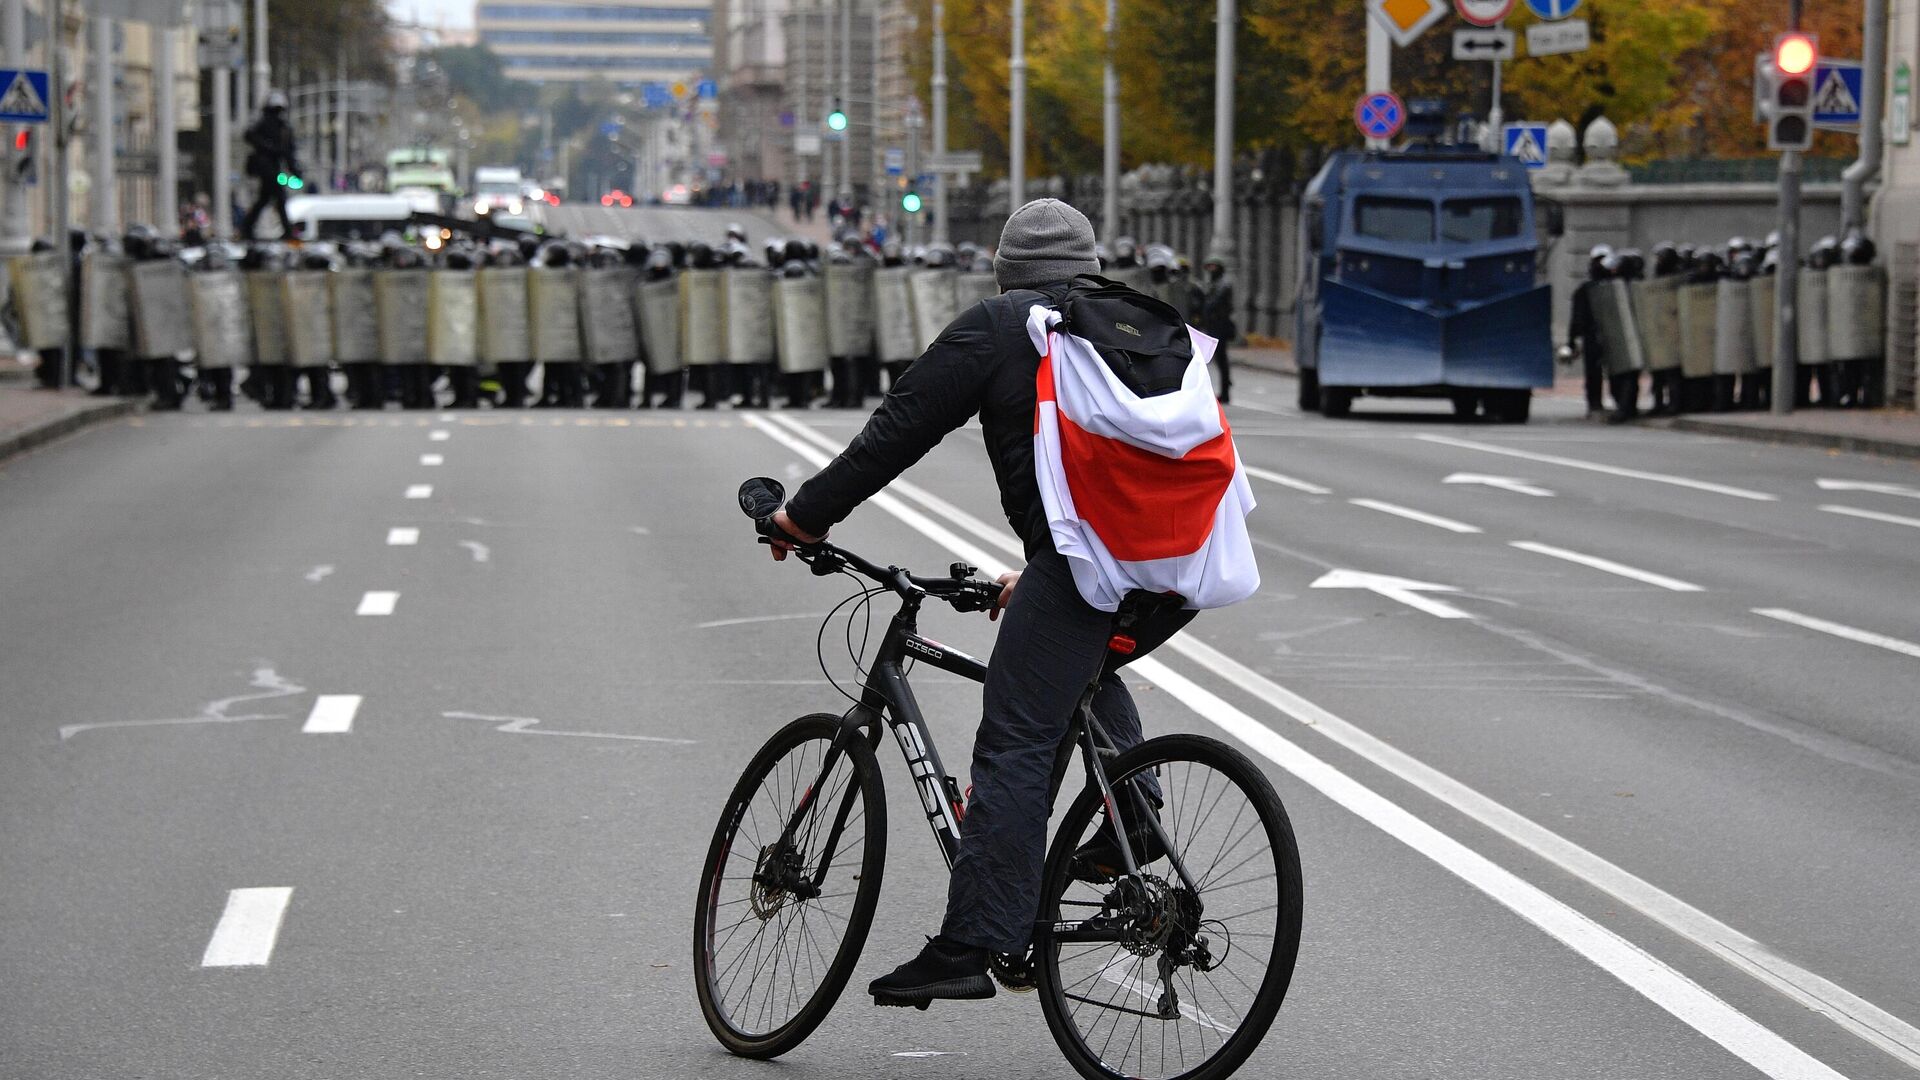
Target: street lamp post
[
  {"x": 1110, "y": 151},
  {"x": 1017, "y": 112},
  {"x": 1222, "y": 243},
  {"x": 940, "y": 179}
]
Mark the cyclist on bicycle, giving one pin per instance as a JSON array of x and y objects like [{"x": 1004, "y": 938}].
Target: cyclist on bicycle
[{"x": 1053, "y": 643}]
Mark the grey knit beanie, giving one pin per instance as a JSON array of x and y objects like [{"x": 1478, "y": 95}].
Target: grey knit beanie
[{"x": 1044, "y": 242}]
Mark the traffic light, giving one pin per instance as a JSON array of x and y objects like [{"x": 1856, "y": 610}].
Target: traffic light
[
  {"x": 289, "y": 181},
  {"x": 837, "y": 119},
  {"x": 1784, "y": 89},
  {"x": 910, "y": 202}
]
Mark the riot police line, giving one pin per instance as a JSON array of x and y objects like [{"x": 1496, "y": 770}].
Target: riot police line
[
  {"x": 473, "y": 321},
  {"x": 1698, "y": 323}
]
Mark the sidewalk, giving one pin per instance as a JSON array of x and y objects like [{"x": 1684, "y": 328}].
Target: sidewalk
[
  {"x": 30, "y": 417},
  {"x": 1891, "y": 432}
]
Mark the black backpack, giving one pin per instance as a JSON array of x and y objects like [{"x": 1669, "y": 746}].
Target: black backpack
[{"x": 1142, "y": 339}]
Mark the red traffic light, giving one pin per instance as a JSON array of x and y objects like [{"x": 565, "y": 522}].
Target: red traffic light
[
  {"x": 22, "y": 139},
  {"x": 1795, "y": 54}
]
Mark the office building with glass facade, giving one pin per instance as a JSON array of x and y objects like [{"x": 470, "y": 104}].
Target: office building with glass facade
[{"x": 623, "y": 42}]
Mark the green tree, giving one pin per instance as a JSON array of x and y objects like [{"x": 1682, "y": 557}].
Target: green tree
[{"x": 477, "y": 73}]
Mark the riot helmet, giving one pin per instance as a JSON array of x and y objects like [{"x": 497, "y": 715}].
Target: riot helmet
[
  {"x": 1857, "y": 249},
  {"x": 1666, "y": 259}
]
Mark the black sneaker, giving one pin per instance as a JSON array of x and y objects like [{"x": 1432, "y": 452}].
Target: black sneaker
[
  {"x": 944, "y": 970},
  {"x": 1098, "y": 861}
]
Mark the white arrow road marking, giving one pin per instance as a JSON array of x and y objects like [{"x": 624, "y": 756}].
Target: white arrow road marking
[
  {"x": 402, "y": 536},
  {"x": 481, "y": 553},
  {"x": 1420, "y": 516},
  {"x": 419, "y": 491},
  {"x": 1869, "y": 485},
  {"x": 1594, "y": 466},
  {"x": 332, "y": 714},
  {"x": 1608, "y": 566},
  {"x": 1873, "y": 515},
  {"x": 1841, "y": 630},
  {"x": 318, "y": 573},
  {"x": 523, "y": 725},
  {"x": 1405, "y": 590},
  {"x": 248, "y": 928},
  {"x": 1272, "y": 477},
  {"x": 1504, "y": 483},
  {"x": 377, "y": 602}
]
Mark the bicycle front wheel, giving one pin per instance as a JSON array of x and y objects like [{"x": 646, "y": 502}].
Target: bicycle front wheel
[
  {"x": 789, "y": 888},
  {"x": 1169, "y": 974}
]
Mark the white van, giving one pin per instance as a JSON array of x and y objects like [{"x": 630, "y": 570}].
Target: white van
[{"x": 347, "y": 217}]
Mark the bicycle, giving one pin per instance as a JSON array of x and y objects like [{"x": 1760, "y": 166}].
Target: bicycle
[{"x": 1162, "y": 939}]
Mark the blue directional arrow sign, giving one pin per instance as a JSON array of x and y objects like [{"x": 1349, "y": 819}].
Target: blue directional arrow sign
[
  {"x": 1526, "y": 143},
  {"x": 1836, "y": 95},
  {"x": 1553, "y": 9},
  {"x": 23, "y": 96}
]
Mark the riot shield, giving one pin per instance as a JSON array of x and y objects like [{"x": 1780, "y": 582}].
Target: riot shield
[
  {"x": 453, "y": 308},
  {"x": 606, "y": 315},
  {"x": 553, "y": 306},
  {"x": 930, "y": 295},
  {"x": 894, "y": 337},
  {"x": 746, "y": 315},
  {"x": 308, "y": 316},
  {"x": 1733, "y": 329},
  {"x": 699, "y": 317},
  {"x": 400, "y": 315},
  {"x": 1137, "y": 278},
  {"x": 1699, "y": 312},
  {"x": 503, "y": 315},
  {"x": 969, "y": 289},
  {"x": 1760, "y": 310},
  {"x": 162, "y": 325},
  {"x": 1614, "y": 323},
  {"x": 659, "y": 310},
  {"x": 40, "y": 293},
  {"x": 104, "y": 322},
  {"x": 269, "y": 317},
  {"x": 849, "y": 298},
  {"x": 1656, "y": 303},
  {"x": 356, "y": 324},
  {"x": 1813, "y": 316},
  {"x": 799, "y": 323},
  {"x": 1856, "y": 313},
  {"x": 222, "y": 321}
]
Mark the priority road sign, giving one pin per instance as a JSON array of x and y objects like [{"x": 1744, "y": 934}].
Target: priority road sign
[
  {"x": 1495, "y": 43},
  {"x": 1836, "y": 95},
  {"x": 1405, "y": 20},
  {"x": 1484, "y": 12},
  {"x": 1380, "y": 115},
  {"x": 1553, "y": 9},
  {"x": 24, "y": 99},
  {"x": 1526, "y": 142}
]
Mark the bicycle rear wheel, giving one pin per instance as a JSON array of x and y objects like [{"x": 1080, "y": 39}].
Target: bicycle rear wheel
[
  {"x": 790, "y": 884},
  {"x": 1145, "y": 976}
]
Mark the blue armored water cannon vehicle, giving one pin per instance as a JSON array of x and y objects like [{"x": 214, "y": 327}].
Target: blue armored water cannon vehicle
[{"x": 1419, "y": 278}]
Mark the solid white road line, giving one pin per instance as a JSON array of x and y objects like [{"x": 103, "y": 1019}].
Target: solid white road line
[
  {"x": 439, "y": 435},
  {"x": 1594, "y": 466},
  {"x": 1841, "y": 630},
  {"x": 1874, "y": 486},
  {"x": 378, "y": 603},
  {"x": 248, "y": 928},
  {"x": 1608, "y": 566},
  {"x": 402, "y": 536},
  {"x": 1873, "y": 515},
  {"x": 1420, "y": 516},
  {"x": 432, "y": 459},
  {"x": 332, "y": 714},
  {"x": 1272, "y": 477},
  {"x": 419, "y": 491},
  {"x": 1706, "y": 1013}
]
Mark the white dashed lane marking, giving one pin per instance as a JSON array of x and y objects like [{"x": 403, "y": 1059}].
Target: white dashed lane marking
[
  {"x": 1420, "y": 516},
  {"x": 432, "y": 459},
  {"x": 400, "y": 536},
  {"x": 248, "y": 928},
  {"x": 1608, "y": 566},
  {"x": 1841, "y": 630},
  {"x": 378, "y": 603},
  {"x": 332, "y": 714},
  {"x": 439, "y": 435},
  {"x": 419, "y": 491},
  {"x": 1874, "y": 515}
]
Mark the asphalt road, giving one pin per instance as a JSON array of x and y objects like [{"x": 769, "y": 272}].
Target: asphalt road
[
  {"x": 657, "y": 224},
  {"x": 1578, "y": 809}
]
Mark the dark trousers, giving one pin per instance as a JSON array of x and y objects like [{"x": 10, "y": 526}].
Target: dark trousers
[
  {"x": 1596, "y": 379},
  {"x": 1052, "y": 644},
  {"x": 1225, "y": 365},
  {"x": 271, "y": 194}
]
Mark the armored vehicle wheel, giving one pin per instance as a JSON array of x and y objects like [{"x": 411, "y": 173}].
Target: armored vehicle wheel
[
  {"x": 1336, "y": 401},
  {"x": 1510, "y": 406},
  {"x": 1309, "y": 390}
]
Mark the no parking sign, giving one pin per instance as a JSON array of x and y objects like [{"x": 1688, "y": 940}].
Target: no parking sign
[{"x": 1380, "y": 115}]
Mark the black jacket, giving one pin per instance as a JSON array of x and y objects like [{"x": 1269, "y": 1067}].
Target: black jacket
[
  {"x": 270, "y": 139},
  {"x": 982, "y": 363}
]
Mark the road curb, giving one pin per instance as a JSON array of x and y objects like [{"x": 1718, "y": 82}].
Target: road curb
[
  {"x": 1857, "y": 444},
  {"x": 40, "y": 434}
]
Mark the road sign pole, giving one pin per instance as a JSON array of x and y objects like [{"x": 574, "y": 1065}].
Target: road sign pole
[
  {"x": 940, "y": 181},
  {"x": 1379, "y": 67},
  {"x": 827, "y": 189},
  {"x": 1017, "y": 111},
  {"x": 104, "y": 203},
  {"x": 1110, "y": 137},
  {"x": 846, "y": 95},
  {"x": 166, "y": 119},
  {"x": 1786, "y": 287},
  {"x": 218, "y": 185},
  {"x": 1226, "y": 22},
  {"x": 57, "y": 183},
  {"x": 13, "y": 203},
  {"x": 1495, "y": 116}
]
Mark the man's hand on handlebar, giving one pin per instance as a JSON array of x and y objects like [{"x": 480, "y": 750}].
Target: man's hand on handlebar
[
  {"x": 785, "y": 524},
  {"x": 1006, "y": 582}
]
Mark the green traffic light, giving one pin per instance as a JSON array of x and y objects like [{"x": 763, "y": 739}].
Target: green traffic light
[
  {"x": 837, "y": 120},
  {"x": 295, "y": 182},
  {"x": 910, "y": 202},
  {"x": 280, "y": 178}
]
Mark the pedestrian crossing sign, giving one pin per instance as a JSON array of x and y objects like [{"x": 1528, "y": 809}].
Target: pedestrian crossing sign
[
  {"x": 25, "y": 98},
  {"x": 1836, "y": 95},
  {"x": 1526, "y": 143}
]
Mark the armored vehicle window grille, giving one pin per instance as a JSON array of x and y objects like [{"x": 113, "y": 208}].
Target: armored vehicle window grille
[
  {"x": 1400, "y": 221},
  {"x": 1477, "y": 221}
]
